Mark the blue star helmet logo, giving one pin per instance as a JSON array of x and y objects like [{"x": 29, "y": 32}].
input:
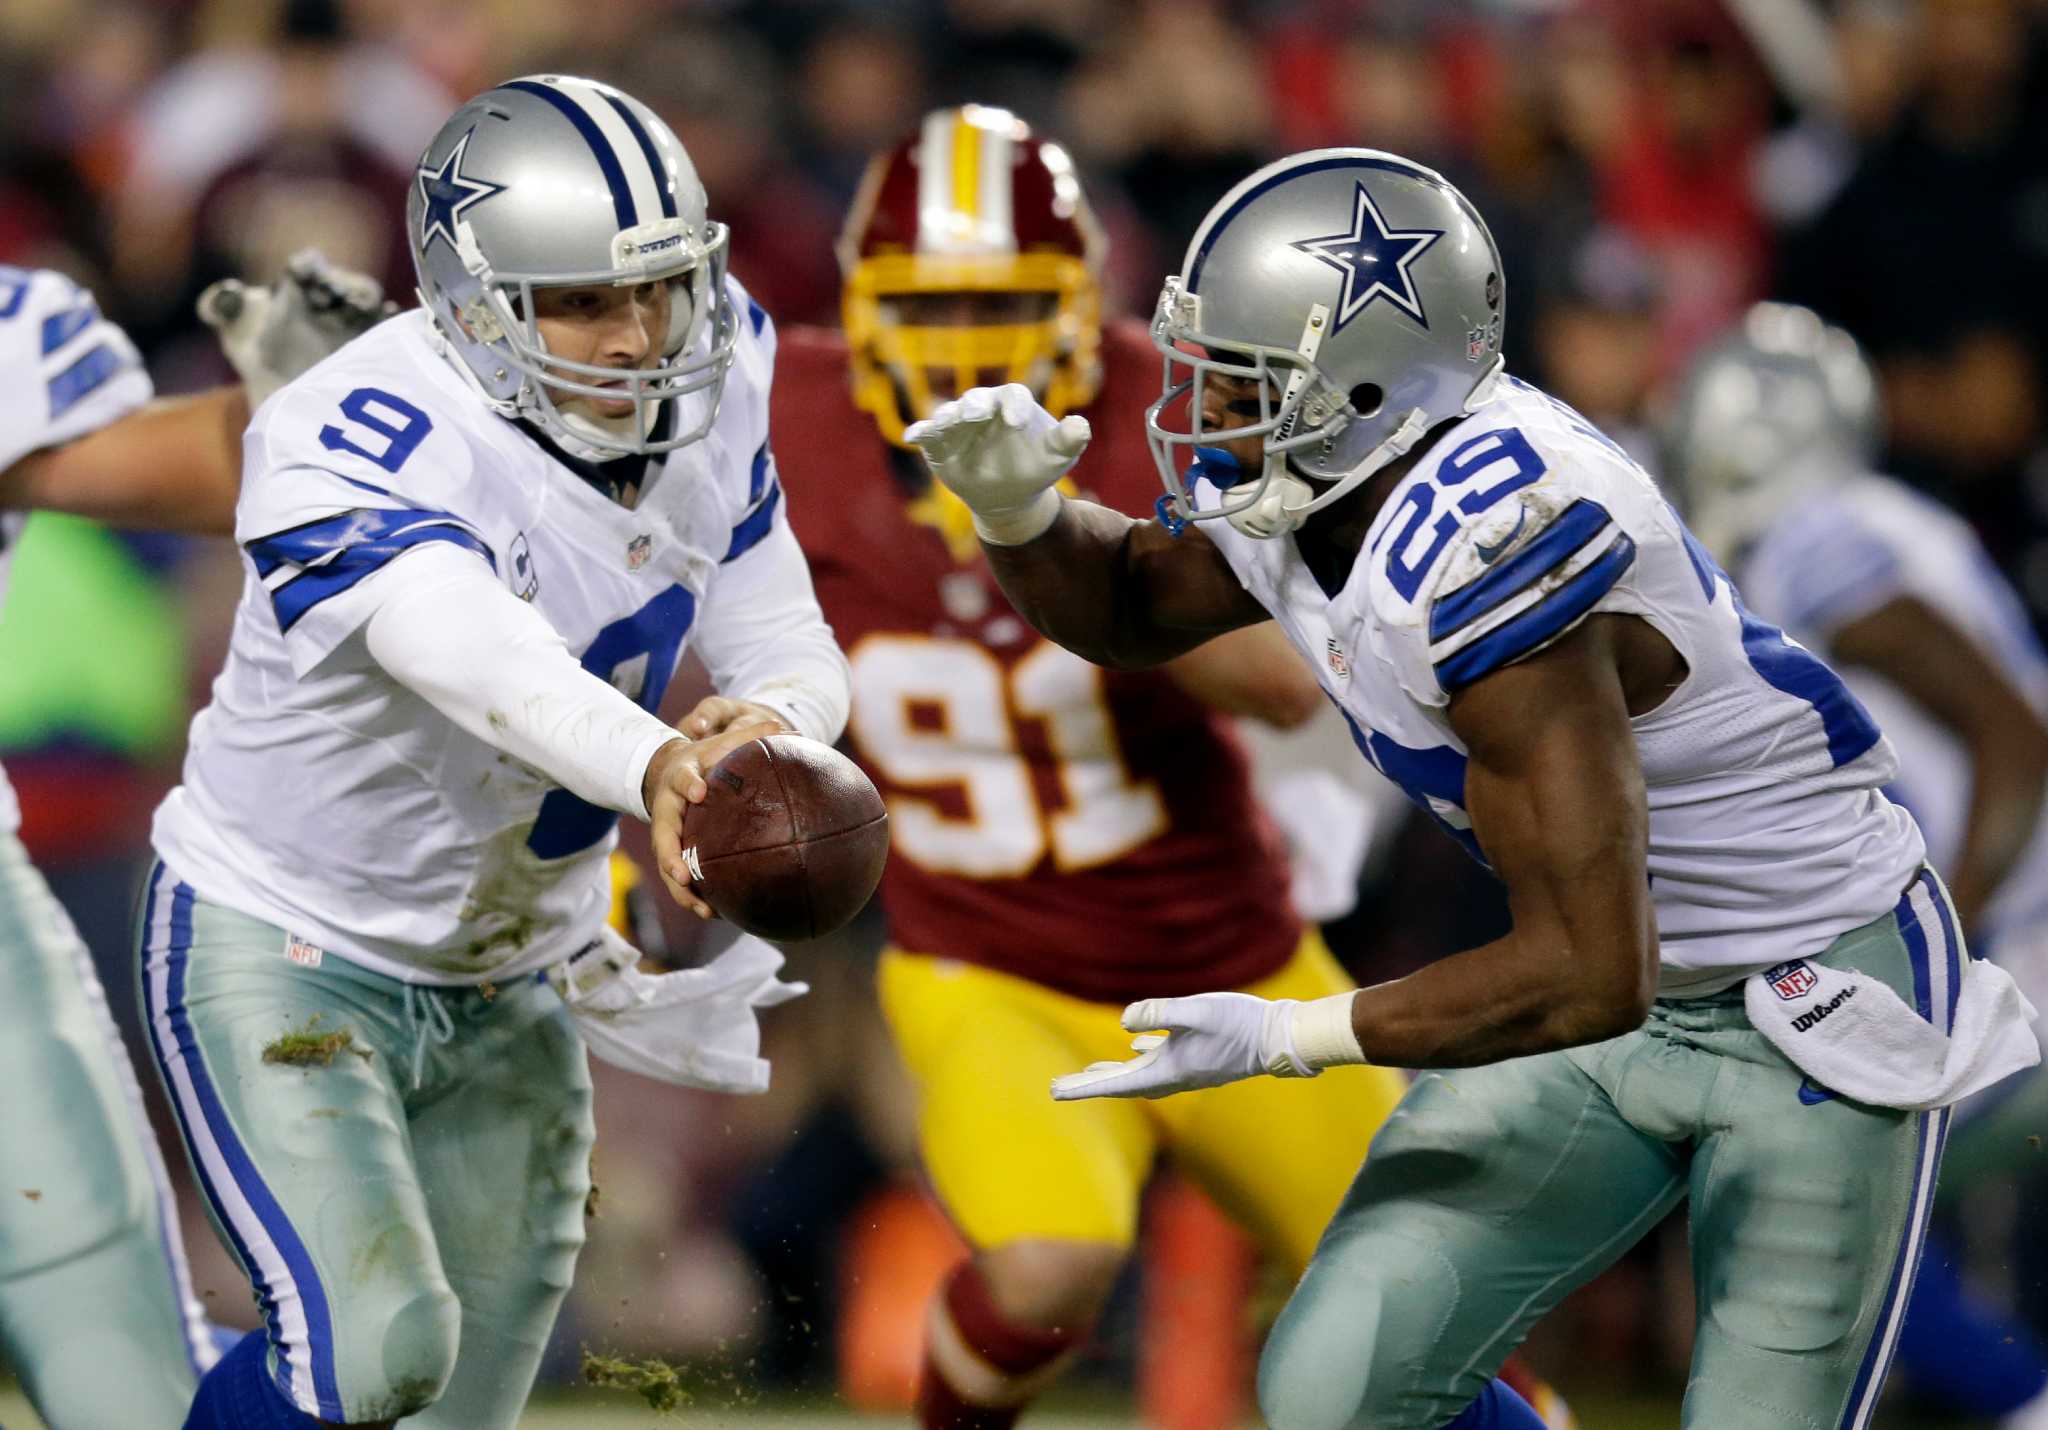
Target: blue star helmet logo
[
  {"x": 1374, "y": 260},
  {"x": 448, "y": 192}
]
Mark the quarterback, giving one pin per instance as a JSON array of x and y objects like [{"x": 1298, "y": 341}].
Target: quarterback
[
  {"x": 1730, "y": 976},
  {"x": 476, "y": 541},
  {"x": 1064, "y": 838}
]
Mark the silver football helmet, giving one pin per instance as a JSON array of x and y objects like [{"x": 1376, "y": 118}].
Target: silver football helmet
[
  {"x": 557, "y": 181},
  {"x": 1783, "y": 402},
  {"x": 1360, "y": 294}
]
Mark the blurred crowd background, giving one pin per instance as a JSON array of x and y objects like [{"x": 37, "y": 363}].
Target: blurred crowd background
[{"x": 1649, "y": 167}]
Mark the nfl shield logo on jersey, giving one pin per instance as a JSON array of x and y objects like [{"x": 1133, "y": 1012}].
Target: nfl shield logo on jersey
[
  {"x": 1340, "y": 664},
  {"x": 1791, "y": 980},
  {"x": 302, "y": 952},
  {"x": 638, "y": 550}
]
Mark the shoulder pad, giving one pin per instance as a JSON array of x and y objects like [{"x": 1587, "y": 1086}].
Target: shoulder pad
[{"x": 1497, "y": 546}]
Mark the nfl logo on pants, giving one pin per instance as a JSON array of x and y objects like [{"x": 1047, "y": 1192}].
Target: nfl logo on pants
[{"x": 1791, "y": 980}]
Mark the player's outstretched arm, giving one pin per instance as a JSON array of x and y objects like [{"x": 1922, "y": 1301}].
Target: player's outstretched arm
[
  {"x": 174, "y": 465},
  {"x": 447, "y": 630},
  {"x": 1118, "y": 592},
  {"x": 1556, "y": 796},
  {"x": 1947, "y": 674}
]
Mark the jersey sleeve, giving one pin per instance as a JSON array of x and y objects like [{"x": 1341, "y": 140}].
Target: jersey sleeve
[
  {"x": 764, "y": 638},
  {"x": 336, "y": 486},
  {"x": 64, "y": 369},
  {"x": 1504, "y": 544},
  {"x": 1547, "y": 572}
]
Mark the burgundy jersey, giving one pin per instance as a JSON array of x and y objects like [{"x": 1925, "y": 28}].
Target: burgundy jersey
[{"x": 1093, "y": 831}]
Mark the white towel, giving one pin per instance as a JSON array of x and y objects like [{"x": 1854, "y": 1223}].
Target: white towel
[
  {"x": 1851, "y": 1033},
  {"x": 696, "y": 1027}
]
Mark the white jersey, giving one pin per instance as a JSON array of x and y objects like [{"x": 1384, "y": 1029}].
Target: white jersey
[
  {"x": 64, "y": 371},
  {"x": 1768, "y": 832},
  {"x": 1841, "y": 553},
  {"x": 321, "y": 795}
]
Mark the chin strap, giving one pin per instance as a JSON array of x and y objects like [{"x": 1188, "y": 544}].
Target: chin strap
[
  {"x": 1282, "y": 504},
  {"x": 1286, "y": 501}
]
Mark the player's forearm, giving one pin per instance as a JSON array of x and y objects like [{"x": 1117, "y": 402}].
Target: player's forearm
[
  {"x": 489, "y": 663},
  {"x": 1557, "y": 800},
  {"x": 1077, "y": 585},
  {"x": 175, "y": 465},
  {"x": 1483, "y": 1006}
]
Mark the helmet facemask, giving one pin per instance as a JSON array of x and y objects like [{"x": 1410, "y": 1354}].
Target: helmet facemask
[
  {"x": 492, "y": 322},
  {"x": 1302, "y": 422},
  {"x": 904, "y": 366}
]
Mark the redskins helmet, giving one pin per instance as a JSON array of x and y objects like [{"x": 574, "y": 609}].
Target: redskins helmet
[{"x": 972, "y": 204}]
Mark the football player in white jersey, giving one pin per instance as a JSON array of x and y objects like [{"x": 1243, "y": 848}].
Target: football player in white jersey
[
  {"x": 97, "y": 1315},
  {"x": 1685, "y": 808},
  {"x": 477, "y": 539},
  {"x": 1771, "y": 447}
]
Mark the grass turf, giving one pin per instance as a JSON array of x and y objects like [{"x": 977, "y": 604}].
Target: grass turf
[{"x": 602, "y": 1410}]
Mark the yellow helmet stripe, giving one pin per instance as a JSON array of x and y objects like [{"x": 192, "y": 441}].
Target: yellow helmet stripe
[{"x": 967, "y": 142}]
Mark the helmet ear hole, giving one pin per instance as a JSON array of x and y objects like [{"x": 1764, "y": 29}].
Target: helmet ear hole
[{"x": 1367, "y": 397}]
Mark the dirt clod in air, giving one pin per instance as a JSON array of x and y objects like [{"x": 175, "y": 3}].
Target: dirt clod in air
[{"x": 653, "y": 1380}]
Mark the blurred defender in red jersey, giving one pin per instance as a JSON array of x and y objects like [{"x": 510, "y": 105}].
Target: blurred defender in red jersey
[{"x": 1064, "y": 836}]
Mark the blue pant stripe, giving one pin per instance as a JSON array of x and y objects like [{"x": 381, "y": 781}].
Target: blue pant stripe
[
  {"x": 1952, "y": 943},
  {"x": 1877, "y": 1357},
  {"x": 170, "y": 1014},
  {"x": 1916, "y": 951}
]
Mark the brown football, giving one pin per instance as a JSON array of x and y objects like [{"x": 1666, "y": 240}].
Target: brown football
[{"x": 790, "y": 842}]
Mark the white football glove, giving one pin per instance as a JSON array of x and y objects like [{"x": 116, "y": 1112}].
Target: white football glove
[
  {"x": 271, "y": 335},
  {"x": 696, "y": 1027},
  {"x": 1210, "y": 1039},
  {"x": 1000, "y": 452}
]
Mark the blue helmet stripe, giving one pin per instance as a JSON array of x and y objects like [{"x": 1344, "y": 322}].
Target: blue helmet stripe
[
  {"x": 664, "y": 182},
  {"x": 1390, "y": 166},
  {"x": 622, "y": 193}
]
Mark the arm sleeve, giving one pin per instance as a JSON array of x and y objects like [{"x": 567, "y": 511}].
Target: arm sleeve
[
  {"x": 449, "y": 632},
  {"x": 762, "y": 635}
]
